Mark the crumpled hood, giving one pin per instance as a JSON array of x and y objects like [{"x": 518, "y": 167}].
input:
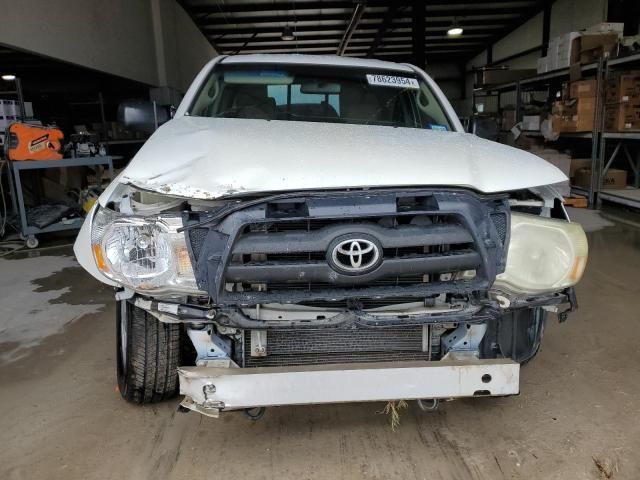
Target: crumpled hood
[{"x": 213, "y": 157}]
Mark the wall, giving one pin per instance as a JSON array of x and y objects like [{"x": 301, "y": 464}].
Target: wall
[
  {"x": 523, "y": 38},
  {"x": 181, "y": 49},
  {"x": 119, "y": 37},
  {"x": 572, "y": 15}
]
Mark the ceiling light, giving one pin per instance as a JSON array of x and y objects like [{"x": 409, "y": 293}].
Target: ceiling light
[
  {"x": 455, "y": 31},
  {"x": 287, "y": 34},
  {"x": 9, "y": 78}
]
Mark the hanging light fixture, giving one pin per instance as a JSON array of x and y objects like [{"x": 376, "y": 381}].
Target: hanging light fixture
[
  {"x": 287, "y": 34},
  {"x": 455, "y": 30}
]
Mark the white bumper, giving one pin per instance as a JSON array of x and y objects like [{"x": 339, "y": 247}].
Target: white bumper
[{"x": 211, "y": 389}]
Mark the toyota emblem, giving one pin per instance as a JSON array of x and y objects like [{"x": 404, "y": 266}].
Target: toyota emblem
[{"x": 354, "y": 255}]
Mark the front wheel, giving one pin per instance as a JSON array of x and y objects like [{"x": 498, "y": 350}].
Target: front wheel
[{"x": 148, "y": 354}]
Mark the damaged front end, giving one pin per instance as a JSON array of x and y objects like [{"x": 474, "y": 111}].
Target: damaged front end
[{"x": 362, "y": 295}]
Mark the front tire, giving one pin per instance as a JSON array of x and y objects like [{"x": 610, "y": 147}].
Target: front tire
[{"x": 148, "y": 355}]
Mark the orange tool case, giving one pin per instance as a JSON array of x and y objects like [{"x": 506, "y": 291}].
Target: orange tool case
[{"x": 33, "y": 142}]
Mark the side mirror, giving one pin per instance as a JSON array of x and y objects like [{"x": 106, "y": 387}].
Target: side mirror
[
  {"x": 469, "y": 124},
  {"x": 142, "y": 115},
  {"x": 484, "y": 127}
]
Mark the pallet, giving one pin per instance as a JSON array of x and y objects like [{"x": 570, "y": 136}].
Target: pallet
[{"x": 576, "y": 202}]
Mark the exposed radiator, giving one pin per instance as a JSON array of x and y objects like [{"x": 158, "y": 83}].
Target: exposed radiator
[{"x": 311, "y": 346}]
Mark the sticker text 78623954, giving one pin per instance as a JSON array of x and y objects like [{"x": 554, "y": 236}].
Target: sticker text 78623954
[{"x": 392, "y": 81}]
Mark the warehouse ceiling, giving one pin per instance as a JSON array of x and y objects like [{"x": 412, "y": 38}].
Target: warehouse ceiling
[{"x": 373, "y": 28}]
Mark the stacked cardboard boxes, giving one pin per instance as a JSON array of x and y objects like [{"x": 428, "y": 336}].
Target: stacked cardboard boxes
[
  {"x": 581, "y": 47},
  {"x": 613, "y": 180},
  {"x": 589, "y": 47},
  {"x": 622, "y": 103},
  {"x": 559, "y": 53},
  {"x": 577, "y": 112},
  {"x": 578, "y": 164}
]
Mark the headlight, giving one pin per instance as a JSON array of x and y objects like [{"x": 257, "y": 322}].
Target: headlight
[
  {"x": 544, "y": 255},
  {"x": 143, "y": 253}
]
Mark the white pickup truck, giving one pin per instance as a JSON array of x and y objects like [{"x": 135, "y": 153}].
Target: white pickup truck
[{"x": 312, "y": 229}]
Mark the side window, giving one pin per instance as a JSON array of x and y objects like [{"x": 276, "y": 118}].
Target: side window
[
  {"x": 278, "y": 93},
  {"x": 313, "y": 98},
  {"x": 298, "y": 97},
  {"x": 334, "y": 101}
]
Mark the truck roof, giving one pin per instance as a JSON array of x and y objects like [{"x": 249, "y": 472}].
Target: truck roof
[{"x": 334, "y": 60}]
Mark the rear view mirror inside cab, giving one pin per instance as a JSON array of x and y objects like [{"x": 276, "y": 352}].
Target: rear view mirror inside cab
[{"x": 323, "y": 88}]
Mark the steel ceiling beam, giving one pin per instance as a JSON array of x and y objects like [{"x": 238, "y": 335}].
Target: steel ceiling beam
[
  {"x": 222, "y": 8},
  {"x": 489, "y": 15},
  {"x": 397, "y": 24},
  {"x": 384, "y": 28},
  {"x": 358, "y": 11},
  {"x": 418, "y": 27},
  {"x": 362, "y": 38},
  {"x": 332, "y": 47}
]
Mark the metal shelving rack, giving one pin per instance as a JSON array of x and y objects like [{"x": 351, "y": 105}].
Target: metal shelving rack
[
  {"x": 622, "y": 140},
  {"x": 28, "y": 231},
  {"x": 599, "y": 162}
]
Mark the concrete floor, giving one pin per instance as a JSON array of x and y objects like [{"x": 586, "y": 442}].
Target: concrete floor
[{"x": 62, "y": 417}]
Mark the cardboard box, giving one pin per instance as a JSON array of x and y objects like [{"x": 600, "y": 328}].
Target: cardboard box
[
  {"x": 531, "y": 123},
  {"x": 622, "y": 117},
  {"x": 565, "y": 49},
  {"x": 562, "y": 124},
  {"x": 590, "y": 47},
  {"x": 606, "y": 27},
  {"x": 575, "y": 115},
  {"x": 575, "y": 72},
  {"x": 508, "y": 119},
  {"x": 497, "y": 76},
  {"x": 543, "y": 65},
  {"x": 577, "y": 164},
  {"x": 613, "y": 180},
  {"x": 623, "y": 88},
  {"x": 583, "y": 89},
  {"x": 585, "y": 114}
]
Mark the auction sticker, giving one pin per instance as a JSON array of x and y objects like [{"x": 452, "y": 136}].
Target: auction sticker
[{"x": 392, "y": 81}]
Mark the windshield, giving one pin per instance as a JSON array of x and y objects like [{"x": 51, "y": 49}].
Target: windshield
[{"x": 319, "y": 94}]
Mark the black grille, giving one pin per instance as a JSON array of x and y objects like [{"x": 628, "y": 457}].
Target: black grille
[
  {"x": 312, "y": 346},
  {"x": 500, "y": 222},
  {"x": 281, "y": 252},
  {"x": 197, "y": 237},
  {"x": 411, "y": 250}
]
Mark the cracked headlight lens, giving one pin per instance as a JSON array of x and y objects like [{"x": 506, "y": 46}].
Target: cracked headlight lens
[
  {"x": 146, "y": 254},
  {"x": 545, "y": 255}
]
